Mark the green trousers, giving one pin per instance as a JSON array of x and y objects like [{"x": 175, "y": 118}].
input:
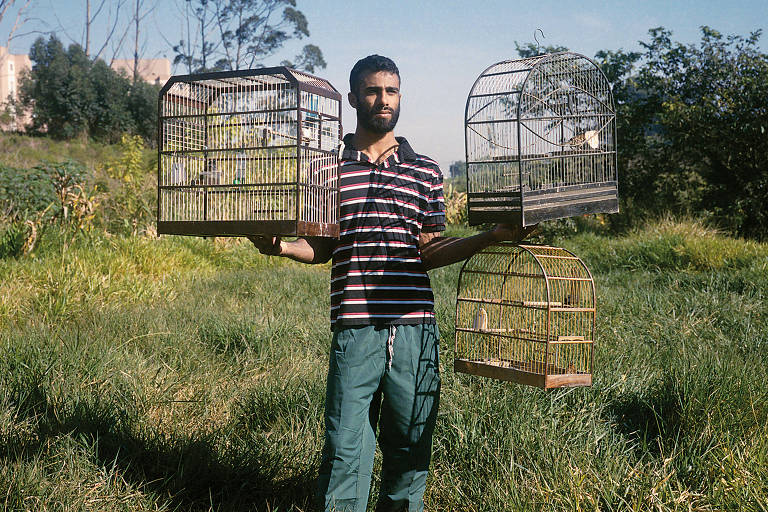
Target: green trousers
[{"x": 387, "y": 377}]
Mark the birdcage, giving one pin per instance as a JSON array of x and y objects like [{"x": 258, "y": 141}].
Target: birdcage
[
  {"x": 246, "y": 152},
  {"x": 540, "y": 138},
  {"x": 526, "y": 313}
]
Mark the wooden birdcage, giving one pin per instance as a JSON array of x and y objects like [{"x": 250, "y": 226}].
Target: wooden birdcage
[
  {"x": 540, "y": 136},
  {"x": 526, "y": 313},
  {"x": 246, "y": 152}
]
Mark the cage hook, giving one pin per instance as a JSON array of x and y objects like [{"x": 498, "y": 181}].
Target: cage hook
[{"x": 538, "y": 44}]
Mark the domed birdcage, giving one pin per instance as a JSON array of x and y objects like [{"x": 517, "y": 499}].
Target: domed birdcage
[
  {"x": 540, "y": 137},
  {"x": 526, "y": 313}
]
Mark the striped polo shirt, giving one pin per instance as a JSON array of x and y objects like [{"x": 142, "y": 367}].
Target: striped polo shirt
[{"x": 377, "y": 276}]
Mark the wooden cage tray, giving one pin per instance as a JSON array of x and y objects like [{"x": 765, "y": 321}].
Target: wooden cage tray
[{"x": 522, "y": 373}]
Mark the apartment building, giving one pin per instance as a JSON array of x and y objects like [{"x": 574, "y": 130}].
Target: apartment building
[{"x": 154, "y": 71}]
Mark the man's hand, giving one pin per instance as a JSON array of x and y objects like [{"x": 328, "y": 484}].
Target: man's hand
[
  {"x": 512, "y": 232},
  {"x": 303, "y": 250},
  {"x": 267, "y": 244}
]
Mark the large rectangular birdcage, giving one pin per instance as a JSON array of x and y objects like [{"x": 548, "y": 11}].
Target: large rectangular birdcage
[
  {"x": 540, "y": 137},
  {"x": 248, "y": 152}
]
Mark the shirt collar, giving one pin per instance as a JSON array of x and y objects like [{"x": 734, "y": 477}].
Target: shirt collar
[{"x": 404, "y": 151}]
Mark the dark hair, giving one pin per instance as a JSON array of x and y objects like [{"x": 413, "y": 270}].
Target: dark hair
[{"x": 370, "y": 64}]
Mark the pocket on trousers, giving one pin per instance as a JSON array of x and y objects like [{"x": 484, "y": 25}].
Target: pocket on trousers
[{"x": 338, "y": 361}]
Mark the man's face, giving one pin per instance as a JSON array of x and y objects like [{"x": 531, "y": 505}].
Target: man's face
[{"x": 377, "y": 102}]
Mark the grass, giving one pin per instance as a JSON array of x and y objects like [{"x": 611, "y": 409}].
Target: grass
[
  {"x": 185, "y": 374},
  {"x": 24, "y": 151}
]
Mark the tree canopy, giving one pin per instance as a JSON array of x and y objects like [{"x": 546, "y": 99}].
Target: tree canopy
[
  {"x": 237, "y": 34},
  {"x": 70, "y": 95},
  {"x": 692, "y": 123},
  {"x": 692, "y": 127}
]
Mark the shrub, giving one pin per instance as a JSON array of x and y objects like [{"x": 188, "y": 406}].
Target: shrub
[
  {"x": 129, "y": 186},
  {"x": 72, "y": 96},
  {"x": 13, "y": 238},
  {"x": 455, "y": 205},
  {"x": 24, "y": 193}
]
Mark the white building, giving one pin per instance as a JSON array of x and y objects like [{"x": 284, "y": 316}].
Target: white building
[{"x": 11, "y": 67}]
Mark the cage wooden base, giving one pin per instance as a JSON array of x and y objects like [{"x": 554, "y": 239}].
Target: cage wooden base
[
  {"x": 242, "y": 228},
  {"x": 516, "y": 371},
  {"x": 556, "y": 203}
]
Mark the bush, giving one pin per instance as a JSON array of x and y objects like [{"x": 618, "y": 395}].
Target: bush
[
  {"x": 691, "y": 126},
  {"x": 13, "y": 238},
  {"x": 25, "y": 193},
  {"x": 455, "y": 206},
  {"x": 71, "y": 96},
  {"x": 32, "y": 199},
  {"x": 129, "y": 188}
]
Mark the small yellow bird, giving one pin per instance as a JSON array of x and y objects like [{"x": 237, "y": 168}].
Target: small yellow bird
[{"x": 481, "y": 320}]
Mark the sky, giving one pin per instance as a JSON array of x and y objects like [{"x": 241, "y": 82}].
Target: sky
[{"x": 440, "y": 46}]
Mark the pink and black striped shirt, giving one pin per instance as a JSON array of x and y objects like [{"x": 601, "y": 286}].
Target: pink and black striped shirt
[{"x": 377, "y": 276}]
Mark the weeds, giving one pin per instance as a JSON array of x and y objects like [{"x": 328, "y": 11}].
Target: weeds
[{"x": 182, "y": 374}]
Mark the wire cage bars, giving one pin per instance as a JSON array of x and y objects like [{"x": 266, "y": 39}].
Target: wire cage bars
[
  {"x": 540, "y": 136},
  {"x": 526, "y": 314},
  {"x": 250, "y": 151}
]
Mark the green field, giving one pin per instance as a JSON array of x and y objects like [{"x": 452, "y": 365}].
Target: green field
[{"x": 184, "y": 374}]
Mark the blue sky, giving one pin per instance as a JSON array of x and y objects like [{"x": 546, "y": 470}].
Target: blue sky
[{"x": 439, "y": 46}]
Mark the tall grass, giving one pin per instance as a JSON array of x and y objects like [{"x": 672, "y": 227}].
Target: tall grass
[
  {"x": 184, "y": 374},
  {"x": 26, "y": 151}
]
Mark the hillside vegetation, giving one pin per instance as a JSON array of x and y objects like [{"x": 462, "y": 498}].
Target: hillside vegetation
[{"x": 185, "y": 374}]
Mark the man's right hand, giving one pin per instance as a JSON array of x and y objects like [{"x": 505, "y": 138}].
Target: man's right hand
[{"x": 267, "y": 244}]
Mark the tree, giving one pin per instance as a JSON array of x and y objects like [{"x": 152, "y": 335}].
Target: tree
[
  {"x": 142, "y": 104},
  {"x": 531, "y": 49},
  {"x": 69, "y": 95},
  {"x": 692, "y": 127},
  {"x": 57, "y": 88},
  {"x": 138, "y": 16},
  {"x": 237, "y": 34},
  {"x": 90, "y": 20}
]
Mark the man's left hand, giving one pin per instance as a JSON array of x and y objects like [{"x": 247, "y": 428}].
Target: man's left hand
[{"x": 512, "y": 232}]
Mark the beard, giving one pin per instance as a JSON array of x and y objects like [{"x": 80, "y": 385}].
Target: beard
[{"x": 381, "y": 125}]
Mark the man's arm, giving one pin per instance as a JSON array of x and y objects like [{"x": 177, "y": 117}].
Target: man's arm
[
  {"x": 438, "y": 251},
  {"x": 303, "y": 250}
]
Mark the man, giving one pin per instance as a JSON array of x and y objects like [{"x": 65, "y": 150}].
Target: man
[{"x": 384, "y": 367}]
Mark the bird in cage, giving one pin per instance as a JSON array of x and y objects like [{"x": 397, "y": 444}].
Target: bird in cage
[
  {"x": 211, "y": 175},
  {"x": 589, "y": 137},
  {"x": 240, "y": 174},
  {"x": 481, "y": 320},
  {"x": 178, "y": 174}
]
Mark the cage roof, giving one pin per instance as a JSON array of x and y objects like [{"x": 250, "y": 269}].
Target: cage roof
[
  {"x": 205, "y": 86},
  {"x": 511, "y": 75}
]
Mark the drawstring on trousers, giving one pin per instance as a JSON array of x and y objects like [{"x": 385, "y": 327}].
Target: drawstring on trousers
[{"x": 391, "y": 346}]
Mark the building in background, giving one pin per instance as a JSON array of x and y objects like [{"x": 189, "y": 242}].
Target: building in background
[
  {"x": 153, "y": 71},
  {"x": 12, "y": 67}
]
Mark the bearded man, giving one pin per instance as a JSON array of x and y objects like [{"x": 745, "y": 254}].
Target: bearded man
[{"x": 384, "y": 358}]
